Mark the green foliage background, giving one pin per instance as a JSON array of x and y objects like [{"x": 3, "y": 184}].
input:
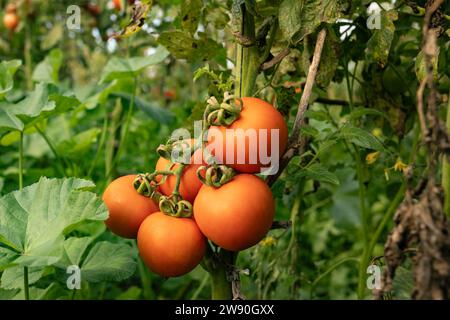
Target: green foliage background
[{"x": 91, "y": 107}]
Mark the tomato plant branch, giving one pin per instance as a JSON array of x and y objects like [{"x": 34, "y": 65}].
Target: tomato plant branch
[
  {"x": 294, "y": 140},
  {"x": 275, "y": 60},
  {"x": 247, "y": 58}
]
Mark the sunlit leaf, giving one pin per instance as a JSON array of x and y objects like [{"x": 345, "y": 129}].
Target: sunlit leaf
[{"x": 129, "y": 67}]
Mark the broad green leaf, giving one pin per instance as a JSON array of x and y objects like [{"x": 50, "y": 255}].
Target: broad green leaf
[
  {"x": 319, "y": 173},
  {"x": 38, "y": 106},
  {"x": 379, "y": 44},
  {"x": 184, "y": 46},
  {"x": 34, "y": 104},
  {"x": 52, "y": 292},
  {"x": 130, "y": 67},
  {"x": 12, "y": 278},
  {"x": 299, "y": 18},
  {"x": 360, "y": 137},
  {"x": 34, "y": 219},
  {"x": 74, "y": 249},
  {"x": 108, "y": 261},
  {"x": 47, "y": 70},
  {"x": 77, "y": 146},
  {"x": 189, "y": 15},
  {"x": 420, "y": 69},
  {"x": 8, "y": 119},
  {"x": 7, "y": 71},
  {"x": 52, "y": 37}
]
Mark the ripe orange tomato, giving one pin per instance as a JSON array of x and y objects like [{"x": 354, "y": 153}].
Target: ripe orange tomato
[
  {"x": 256, "y": 114},
  {"x": 10, "y": 21},
  {"x": 237, "y": 215},
  {"x": 170, "y": 246},
  {"x": 127, "y": 208},
  {"x": 117, "y": 4},
  {"x": 189, "y": 185}
]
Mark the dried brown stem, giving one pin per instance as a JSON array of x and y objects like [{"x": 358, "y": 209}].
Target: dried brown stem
[
  {"x": 275, "y": 60},
  {"x": 295, "y": 140}
]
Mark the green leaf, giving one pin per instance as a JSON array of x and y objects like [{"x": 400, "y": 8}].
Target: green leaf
[
  {"x": 38, "y": 106},
  {"x": 34, "y": 219},
  {"x": 132, "y": 293},
  {"x": 7, "y": 71},
  {"x": 130, "y": 67},
  {"x": 379, "y": 44},
  {"x": 52, "y": 292},
  {"x": 184, "y": 46},
  {"x": 309, "y": 131},
  {"x": 154, "y": 111},
  {"x": 47, "y": 70},
  {"x": 361, "y": 112},
  {"x": 403, "y": 283},
  {"x": 360, "y": 137},
  {"x": 189, "y": 15},
  {"x": 74, "y": 249},
  {"x": 12, "y": 278},
  {"x": 52, "y": 37},
  {"x": 328, "y": 62},
  {"x": 319, "y": 173},
  {"x": 420, "y": 68},
  {"x": 78, "y": 145},
  {"x": 8, "y": 294},
  {"x": 8, "y": 120},
  {"x": 298, "y": 18},
  {"x": 107, "y": 261},
  {"x": 318, "y": 115}
]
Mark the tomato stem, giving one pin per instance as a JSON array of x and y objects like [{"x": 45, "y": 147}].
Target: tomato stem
[{"x": 25, "y": 269}]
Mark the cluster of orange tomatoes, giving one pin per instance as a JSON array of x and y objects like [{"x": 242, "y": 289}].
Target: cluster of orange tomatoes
[{"x": 234, "y": 216}]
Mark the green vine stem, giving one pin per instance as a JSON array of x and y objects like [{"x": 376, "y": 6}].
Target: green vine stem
[
  {"x": 61, "y": 163},
  {"x": 247, "y": 59},
  {"x": 21, "y": 160},
  {"x": 26, "y": 288}
]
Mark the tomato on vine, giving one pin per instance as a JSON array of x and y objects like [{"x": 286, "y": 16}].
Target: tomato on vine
[
  {"x": 237, "y": 215},
  {"x": 170, "y": 246},
  {"x": 189, "y": 184},
  {"x": 127, "y": 208},
  {"x": 263, "y": 118}
]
